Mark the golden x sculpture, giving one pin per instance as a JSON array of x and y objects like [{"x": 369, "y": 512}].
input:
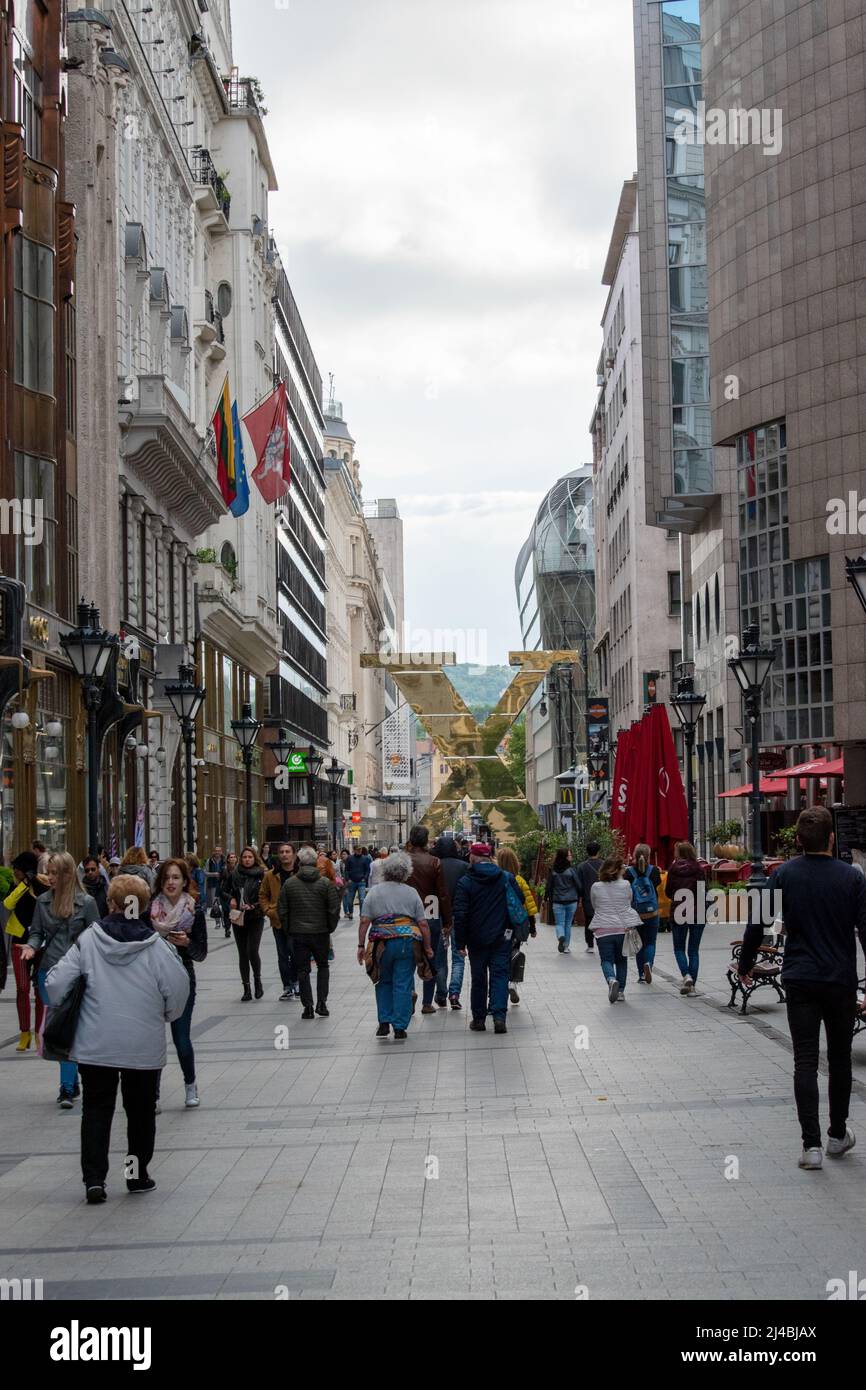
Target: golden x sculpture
[{"x": 477, "y": 771}]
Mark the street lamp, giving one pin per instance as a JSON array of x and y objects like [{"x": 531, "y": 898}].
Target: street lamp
[
  {"x": 314, "y": 767},
  {"x": 246, "y": 731},
  {"x": 186, "y": 699},
  {"x": 855, "y": 573},
  {"x": 89, "y": 649},
  {"x": 335, "y": 776},
  {"x": 687, "y": 705},
  {"x": 751, "y": 668},
  {"x": 282, "y": 748}
]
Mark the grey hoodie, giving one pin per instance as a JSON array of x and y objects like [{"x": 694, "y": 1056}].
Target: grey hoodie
[{"x": 136, "y": 983}]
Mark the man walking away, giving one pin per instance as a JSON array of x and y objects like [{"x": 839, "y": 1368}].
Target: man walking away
[
  {"x": 269, "y": 897},
  {"x": 587, "y": 875},
  {"x": 357, "y": 875},
  {"x": 309, "y": 910},
  {"x": 482, "y": 926},
  {"x": 823, "y": 905},
  {"x": 454, "y": 866},
  {"x": 428, "y": 881}
]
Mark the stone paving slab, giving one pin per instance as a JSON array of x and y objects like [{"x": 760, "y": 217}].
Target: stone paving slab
[{"x": 312, "y": 1171}]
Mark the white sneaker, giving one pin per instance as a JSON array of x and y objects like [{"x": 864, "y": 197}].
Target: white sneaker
[
  {"x": 613, "y": 991},
  {"x": 812, "y": 1158},
  {"x": 837, "y": 1147},
  {"x": 687, "y": 985},
  {"x": 566, "y": 951},
  {"x": 191, "y": 1100},
  {"x": 157, "y": 1109}
]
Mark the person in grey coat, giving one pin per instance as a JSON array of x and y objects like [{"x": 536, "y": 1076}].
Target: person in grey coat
[{"x": 136, "y": 983}]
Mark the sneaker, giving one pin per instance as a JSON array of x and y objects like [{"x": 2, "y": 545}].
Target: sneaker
[
  {"x": 811, "y": 1158},
  {"x": 837, "y": 1147},
  {"x": 687, "y": 985},
  {"x": 286, "y": 995},
  {"x": 560, "y": 946},
  {"x": 613, "y": 991},
  {"x": 65, "y": 1100},
  {"x": 383, "y": 1030},
  {"x": 399, "y": 1034},
  {"x": 477, "y": 1025},
  {"x": 309, "y": 1012},
  {"x": 454, "y": 1001},
  {"x": 648, "y": 974},
  {"x": 258, "y": 989},
  {"x": 567, "y": 951},
  {"x": 514, "y": 996},
  {"x": 442, "y": 1003},
  {"x": 590, "y": 950},
  {"x": 322, "y": 1010},
  {"x": 427, "y": 1009},
  {"x": 191, "y": 1097},
  {"x": 95, "y": 1194},
  {"x": 499, "y": 1025},
  {"x": 138, "y": 1185},
  {"x": 76, "y": 1091}
]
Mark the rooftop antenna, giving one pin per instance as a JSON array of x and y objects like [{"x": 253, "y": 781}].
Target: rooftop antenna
[{"x": 331, "y": 402}]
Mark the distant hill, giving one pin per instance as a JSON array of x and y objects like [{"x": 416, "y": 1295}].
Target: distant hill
[{"x": 479, "y": 686}]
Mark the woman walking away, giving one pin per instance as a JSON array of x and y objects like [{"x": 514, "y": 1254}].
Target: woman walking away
[
  {"x": 394, "y": 916},
  {"x": 21, "y": 904},
  {"x": 224, "y": 892},
  {"x": 248, "y": 919},
  {"x": 645, "y": 880},
  {"x": 688, "y": 912},
  {"x": 507, "y": 860},
  {"x": 562, "y": 891},
  {"x": 59, "y": 918},
  {"x": 135, "y": 862},
  {"x": 180, "y": 919},
  {"x": 135, "y": 984},
  {"x": 613, "y": 915}
]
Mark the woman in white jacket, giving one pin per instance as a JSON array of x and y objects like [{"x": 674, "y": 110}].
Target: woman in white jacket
[
  {"x": 613, "y": 915},
  {"x": 136, "y": 983}
]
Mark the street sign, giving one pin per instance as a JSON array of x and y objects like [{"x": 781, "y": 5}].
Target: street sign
[
  {"x": 356, "y": 817},
  {"x": 770, "y": 761},
  {"x": 297, "y": 762}
]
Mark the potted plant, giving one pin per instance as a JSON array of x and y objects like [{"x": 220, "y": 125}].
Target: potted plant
[{"x": 724, "y": 837}]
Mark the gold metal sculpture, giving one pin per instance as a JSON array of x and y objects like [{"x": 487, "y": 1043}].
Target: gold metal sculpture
[{"x": 477, "y": 771}]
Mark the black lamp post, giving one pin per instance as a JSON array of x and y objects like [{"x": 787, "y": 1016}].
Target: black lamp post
[
  {"x": 314, "y": 767},
  {"x": 89, "y": 648},
  {"x": 855, "y": 573},
  {"x": 751, "y": 668},
  {"x": 246, "y": 731},
  {"x": 687, "y": 705},
  {"x": 282, "y": 748},
  {"x": 186, "y": 699},
  {"x": 335, "y": 776}
]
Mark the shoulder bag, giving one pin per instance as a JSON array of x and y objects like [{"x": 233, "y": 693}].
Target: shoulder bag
[{"x": 60, "y": 1029}]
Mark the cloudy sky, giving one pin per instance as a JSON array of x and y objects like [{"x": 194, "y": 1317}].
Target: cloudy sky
[{"x": 449, "y": 173}]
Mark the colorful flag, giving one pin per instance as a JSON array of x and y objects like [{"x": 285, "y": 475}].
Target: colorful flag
[
  {"x": 225, "y": 445},
  {"x": 241, "y": 503},
  {"x": 268, "y": 427}
]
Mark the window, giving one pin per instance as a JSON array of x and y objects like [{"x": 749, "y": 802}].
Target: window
[
  {"x": 35, "y": 552},
  {"x": 675, "y": 596},
  {"x": 34, "y": 315},
  {"x": 28, "y": 97},
  {"x": 71, "y": 374}
]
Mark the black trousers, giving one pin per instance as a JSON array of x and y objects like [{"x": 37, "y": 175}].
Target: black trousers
[
  {"x": 306, "y": 949},
  {"x": 138, "y": 1090},
  {"x": 810, "y": 1005},
  {"x": 285, "y": 959},
  {"x": 588, "y": 936},
  {"x": 248, "y": 941}
]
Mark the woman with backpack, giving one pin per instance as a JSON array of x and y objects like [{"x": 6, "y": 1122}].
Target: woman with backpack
[
  {"x": 562, "y": 891},
  {"x": 684, "y": 875},
  {"x": 645, "y": 879},
  {"x": 507, "y": 860}
]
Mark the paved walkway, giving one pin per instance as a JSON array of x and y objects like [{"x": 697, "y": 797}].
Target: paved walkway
[{"x": 312, "y": 1170}]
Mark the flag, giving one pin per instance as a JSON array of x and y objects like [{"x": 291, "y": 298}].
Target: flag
[
  {"x": 657, "y": 803},
  {"x": 221, "y": 425},
  {"x": 619, "y": 785},
  {"x": 241, "y": 503},
  {"x": 673, "y": 813},
  {"x": 268, "y": 428}
]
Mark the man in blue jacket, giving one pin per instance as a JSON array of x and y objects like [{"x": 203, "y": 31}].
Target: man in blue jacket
[
  {"x": 357, "y": 870},
  {"x": 482, "y": 926}
]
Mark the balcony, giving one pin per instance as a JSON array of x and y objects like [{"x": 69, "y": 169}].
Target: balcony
[
  {"x": 243, "y": 94},
  {"x": 212, "y": 197},
  {"x": 162, "y": 446},
  {"x": 209, "y": 329}
]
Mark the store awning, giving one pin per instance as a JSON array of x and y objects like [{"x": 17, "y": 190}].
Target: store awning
[
  {"x": 819, "y": 767},
  {"x": 770, "y": 786}
]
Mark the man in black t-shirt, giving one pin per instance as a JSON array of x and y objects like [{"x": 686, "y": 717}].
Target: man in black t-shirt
[
  {"x": 824, "y": 910},
  {"x": 587, "y": 873}
]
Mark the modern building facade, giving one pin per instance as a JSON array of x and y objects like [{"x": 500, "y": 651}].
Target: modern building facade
[{"x": 637, "y": 579}]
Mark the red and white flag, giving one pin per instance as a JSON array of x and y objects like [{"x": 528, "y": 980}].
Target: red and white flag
[{"x": 268, "y": 428}]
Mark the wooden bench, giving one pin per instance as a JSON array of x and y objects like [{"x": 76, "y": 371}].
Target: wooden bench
[{"x": 765, "y": 972}]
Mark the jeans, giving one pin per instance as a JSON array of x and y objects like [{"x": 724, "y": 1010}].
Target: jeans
[
  {"x": 305, "y": 949},
  {"x": 810, "y": 1005},
  {"x": 648, "y": 932},
  {"x": 394, "y": 988},
  {"x": 563, "y": 916},
  {"x": 180, "y": 1032},
  {"x": 138, "y": 1091},
  {"x": 68, "y": 1070},
  {"x": 285, "y": 959},
  {"x": 491, "y": 968},
  {"x": 614, "y": 964},
  {"x": 349, "y": 897},
  {"x": 687, "y": 960},
  {"x": 458, "y": 966},
  {"x": 248, "y": 940},
  {"x": 438, "y": 986}
]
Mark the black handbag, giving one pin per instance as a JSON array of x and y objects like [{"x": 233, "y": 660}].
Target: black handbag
[
  {"x": 518, "y": 966},
  {"x": 59, "y": 1035}
]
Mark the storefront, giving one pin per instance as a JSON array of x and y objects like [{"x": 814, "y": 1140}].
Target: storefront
[{"x": 221, "y": 783}]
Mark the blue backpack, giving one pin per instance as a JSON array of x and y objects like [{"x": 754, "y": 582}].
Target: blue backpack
[
  {"x": 644, "y": 898},
  {"x": 517, "y": 914}
]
